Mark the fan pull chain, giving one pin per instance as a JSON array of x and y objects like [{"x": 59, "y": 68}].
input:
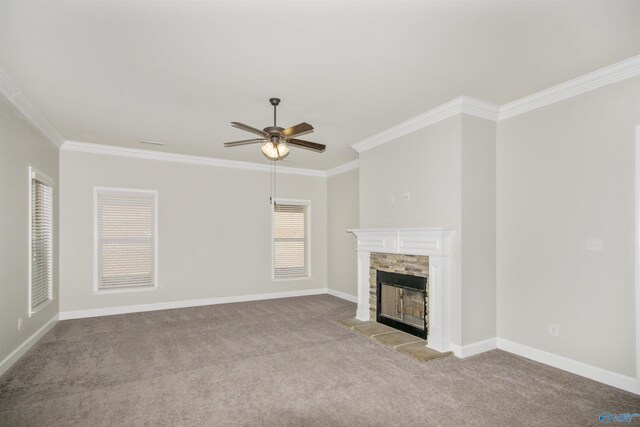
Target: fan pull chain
[{"x": 272, "y": 183}]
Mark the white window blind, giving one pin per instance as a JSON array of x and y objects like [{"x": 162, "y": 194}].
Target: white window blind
[
  {"x": 41, "y": 241},
  {"x": 126, "y": 234},
  {"x": 290, "y": 241}
]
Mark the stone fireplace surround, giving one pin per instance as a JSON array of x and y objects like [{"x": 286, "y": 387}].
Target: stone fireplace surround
[
  {"x": 432, "y": 242},
  {"x": 413, "y": 265}
]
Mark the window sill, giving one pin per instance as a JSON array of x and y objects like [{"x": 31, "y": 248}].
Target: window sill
[
  {"x": 288, "y": 279},
  {"x": 125, "y": 289}
]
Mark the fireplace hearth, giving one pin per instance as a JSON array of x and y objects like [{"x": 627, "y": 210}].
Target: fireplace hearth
[{"x": 402, "y": 302}]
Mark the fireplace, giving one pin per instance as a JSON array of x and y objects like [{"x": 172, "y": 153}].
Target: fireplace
[
  {"x": 385, "y": 249},
  {"x": 402, "y": 302}
]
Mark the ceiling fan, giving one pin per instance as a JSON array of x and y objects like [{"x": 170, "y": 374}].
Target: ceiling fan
[{"x": 276, "y": 139}]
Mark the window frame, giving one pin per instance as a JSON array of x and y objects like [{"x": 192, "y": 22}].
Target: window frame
[
  {"x": 44, "y": 179},
  {"x": 307, "y": 219},
  {"x": 96, "y": 241}
]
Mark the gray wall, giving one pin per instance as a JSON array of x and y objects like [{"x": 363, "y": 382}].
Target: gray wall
[
  {"x": 426, "y": 163},
  {"x": 342, "y": 214},
  {"x": 565, "y": 173},
  {"x": 21, "y": 146},
  {"x": 214, "y": 229},
  {"x": 478, "y": 231}
]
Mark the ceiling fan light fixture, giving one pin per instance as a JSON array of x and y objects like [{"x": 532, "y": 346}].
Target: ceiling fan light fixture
[
  {"x": 275, "y": 150},
  {"x": 276, "y": 139}
]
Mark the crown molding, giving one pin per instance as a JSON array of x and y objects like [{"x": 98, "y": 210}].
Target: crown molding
[
  {"x": 602, "y": 77},
  {"x": 137, "y": 153},
  {"x": 479, "y": 108},
  {"x": 343, "y": 168},
  {"x": 20, "y": 101},
  {"x": 462, "y": 104},
  {"x": 605, "y": 76}
]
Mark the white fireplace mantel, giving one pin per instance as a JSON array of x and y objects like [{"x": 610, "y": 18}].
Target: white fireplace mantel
[{"x": 434, "y": 242}]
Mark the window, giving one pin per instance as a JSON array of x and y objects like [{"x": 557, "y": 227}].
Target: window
[
  {"x": 126, "y": 239},
  {"x": 290, "y": 239},
  {"x": 41, "y": 241}
]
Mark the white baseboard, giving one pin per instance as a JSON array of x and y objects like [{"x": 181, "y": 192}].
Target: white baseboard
[
  {"x": 109, "y": 311},
  {"x": 342, "y": 295},
  {"x": 473, "y": 348},
  {"x": 16, "y": 354},
  {"x": 613, "y": 379}
]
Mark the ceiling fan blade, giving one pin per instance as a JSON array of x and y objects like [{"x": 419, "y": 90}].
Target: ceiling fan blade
[
  {"x": 249, "y": 129},
  {"x": 297, "y": 130},
  {"x": 307, "y": 144},
  {"x": 243, "y": 142}
]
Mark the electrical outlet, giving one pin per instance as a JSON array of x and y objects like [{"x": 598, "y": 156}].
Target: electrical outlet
[
  {"x": 406, "y": 196},
  {"x": 392, "y": 198},
  {"x": 554, "y": 331},
  {"x": 594, "y": 245},
  {"x": 19, "y": 323}
]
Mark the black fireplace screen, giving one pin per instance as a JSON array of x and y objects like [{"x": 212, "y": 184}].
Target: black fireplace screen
[{"x": 402, "y": 302}]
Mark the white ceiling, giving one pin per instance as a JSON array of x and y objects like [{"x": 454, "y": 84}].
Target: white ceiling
[{"x": 179, "y": 72}]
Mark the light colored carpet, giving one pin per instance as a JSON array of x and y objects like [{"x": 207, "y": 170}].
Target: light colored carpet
[{"x": 278, "y": 362}]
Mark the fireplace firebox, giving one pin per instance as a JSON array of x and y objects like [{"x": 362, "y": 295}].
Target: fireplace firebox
[{"x": 401, "y": 302}]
